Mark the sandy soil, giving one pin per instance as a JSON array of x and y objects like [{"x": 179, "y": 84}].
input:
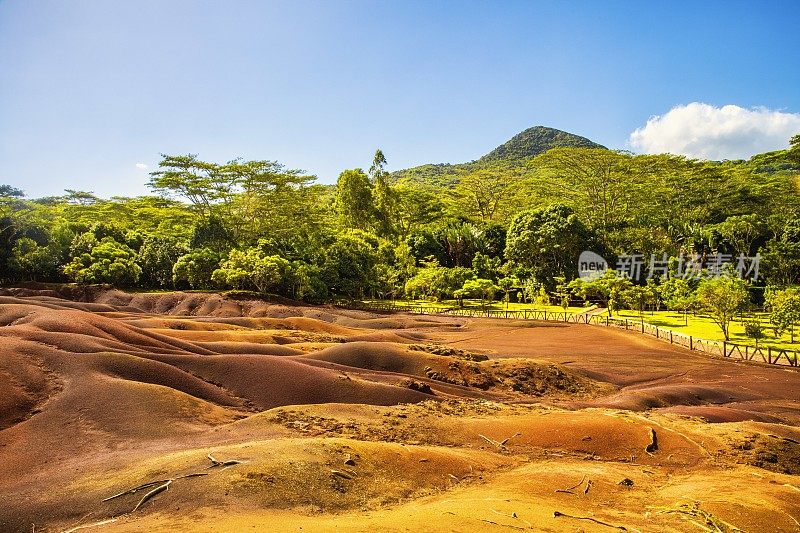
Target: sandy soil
[{"x": 202, "y": 413}]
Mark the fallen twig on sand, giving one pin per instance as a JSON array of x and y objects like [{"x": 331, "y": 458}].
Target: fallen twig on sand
[
  {"x": 158, "y": 486},
  {"x": 569, "y": 490},
  {"x": 215, "y": 463},
  {"x": 500, "y": 445},
  {"x": 85, "y": 526},
  {"x": 505, "y": 441},
  {"x": 161, "y": 488},
  {"x": 490, "y": 441},
  {"x": 501, "y": 525},
  {"x": 195, "y": 474},
  {"x": 134, "y": 490},
  {"x": 556, "y": 514},
  {"x": 143, "y": 486}
]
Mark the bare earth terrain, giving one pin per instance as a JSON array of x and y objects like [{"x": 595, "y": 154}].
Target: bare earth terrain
[{"x": 193, "y": 412}]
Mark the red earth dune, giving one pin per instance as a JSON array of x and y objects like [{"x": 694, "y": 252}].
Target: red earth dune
[{"x": 199, "y": 412}]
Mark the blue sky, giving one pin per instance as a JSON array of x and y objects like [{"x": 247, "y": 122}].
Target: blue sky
[{"x": 88, "y": 89}]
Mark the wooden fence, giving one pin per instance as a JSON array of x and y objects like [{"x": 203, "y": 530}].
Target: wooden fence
[{"x": 773, "y": 356}]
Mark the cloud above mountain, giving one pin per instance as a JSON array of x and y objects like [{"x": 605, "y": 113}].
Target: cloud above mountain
[{"x": 704, "y": 131}]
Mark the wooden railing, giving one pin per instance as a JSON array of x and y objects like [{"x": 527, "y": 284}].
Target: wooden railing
[{"x": 770, "y": 355}]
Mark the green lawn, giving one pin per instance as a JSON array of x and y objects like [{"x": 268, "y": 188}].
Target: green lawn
[{"x": 703, "y": 327}]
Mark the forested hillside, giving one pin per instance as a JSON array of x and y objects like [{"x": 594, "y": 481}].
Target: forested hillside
[
  {"x": 509, "y": 156},
  {"x": 535, "y": 141},
  {"x": 430, "y": 231}
]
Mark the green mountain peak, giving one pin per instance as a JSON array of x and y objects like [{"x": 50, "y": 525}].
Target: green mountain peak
[{"x": 535, "y": 141}]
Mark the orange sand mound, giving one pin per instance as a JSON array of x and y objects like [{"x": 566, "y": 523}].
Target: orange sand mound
[{"x": 354, "y": 420}]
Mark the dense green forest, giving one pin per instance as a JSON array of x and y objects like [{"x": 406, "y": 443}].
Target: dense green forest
[{"x": 513, "y": 221}]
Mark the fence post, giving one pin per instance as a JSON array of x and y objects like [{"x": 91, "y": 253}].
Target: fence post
[
  {"x": 670, "y": 336},
  {"x": 606, "y": 320},
  {"x": 657, "y": 332},
  {"x": 525, "y": 314},
  {"x": 724, "y": 349},
  {"x": 545, "y": 314},
  {"x": 626, "y": 324},
  {"x": 769, "y": 354},
  {"x": 691, "y": 344}
]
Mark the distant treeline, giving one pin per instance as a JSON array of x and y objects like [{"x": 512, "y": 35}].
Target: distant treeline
[{"x": 259, "y": 226}]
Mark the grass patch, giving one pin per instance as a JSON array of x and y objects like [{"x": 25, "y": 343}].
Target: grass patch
[{"x": 703, "y": 327}]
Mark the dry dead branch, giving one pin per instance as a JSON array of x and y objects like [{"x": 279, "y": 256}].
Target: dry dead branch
[
  {"x": 505, "y": 441},
  {"x": 160, "y": 485},
  {"x": 501, "y": 525},
  {"x": 490, "y": 441},
  {"x": 569, "y": 490},
  {"x": 157, "y": 490},
  {"x": 556, "y": 514},
  {"x": 134, "y": 490},
  {"x": 215, "y": 463},
  {"x": 143, "y": 486},
  {"x": 85, "y": 526},
  {"x": 500, "y": 445},
  {"x": 196, "y": 474}
]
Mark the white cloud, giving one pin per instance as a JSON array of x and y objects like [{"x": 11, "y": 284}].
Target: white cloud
[
  {"x": 704, "y": 131},
  {"x": 141, "y": 166}
]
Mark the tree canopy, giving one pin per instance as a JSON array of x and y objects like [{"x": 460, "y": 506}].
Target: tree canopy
[{"x": 515, "y": 224}]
